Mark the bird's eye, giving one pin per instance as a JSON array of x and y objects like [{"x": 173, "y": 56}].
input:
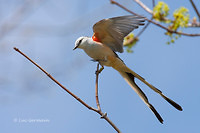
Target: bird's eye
[{"x": 80, "y": 41}]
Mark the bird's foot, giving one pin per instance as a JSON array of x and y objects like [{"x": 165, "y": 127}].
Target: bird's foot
[{"x": 100, "y": 70}]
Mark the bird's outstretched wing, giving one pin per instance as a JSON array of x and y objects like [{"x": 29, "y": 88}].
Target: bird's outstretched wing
[{"x": 112, "y": 31}]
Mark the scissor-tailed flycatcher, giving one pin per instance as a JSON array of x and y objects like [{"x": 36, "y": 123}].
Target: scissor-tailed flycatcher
[{"x": 107, "y": 39}]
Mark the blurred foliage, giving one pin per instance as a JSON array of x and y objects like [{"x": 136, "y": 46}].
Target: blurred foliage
[
  {"x": 180, "y": 19},
  {"x": 161, "y": 11},
  {"x": 129, "y": 42}
]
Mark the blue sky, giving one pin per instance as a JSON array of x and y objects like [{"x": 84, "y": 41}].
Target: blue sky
[{"x": 47, "y": 34}]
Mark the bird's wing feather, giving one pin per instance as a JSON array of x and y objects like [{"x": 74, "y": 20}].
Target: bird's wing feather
[{"x": 112, "y": 31}]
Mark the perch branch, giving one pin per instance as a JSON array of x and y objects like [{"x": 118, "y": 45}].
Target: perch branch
[
  {"x": 103, "y": 115},
  {"x": 96, "y": 88},
  {"x": 68, "y": 91}
]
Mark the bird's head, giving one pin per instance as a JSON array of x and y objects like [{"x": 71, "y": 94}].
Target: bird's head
[{"x": 81, "y": 42}]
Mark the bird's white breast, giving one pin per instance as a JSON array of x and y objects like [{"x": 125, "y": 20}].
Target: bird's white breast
[{"x": 99, "y": 52}]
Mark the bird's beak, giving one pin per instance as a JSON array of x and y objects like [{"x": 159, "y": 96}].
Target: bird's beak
[{"x": 75, "y": 47}]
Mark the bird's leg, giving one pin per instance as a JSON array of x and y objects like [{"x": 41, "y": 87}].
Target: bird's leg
[
  {"x": 98, "y": 71},
  {"x": 101, "y": 69}
]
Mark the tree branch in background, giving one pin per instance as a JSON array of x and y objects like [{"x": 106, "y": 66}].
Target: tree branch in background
[
  {"x": 195, "y": 8},
  {"x": 103, "y": 115},
  {"x": 131, "y": 41},
  {"x": 153, "y": 3},
  {"x": 144, "y": 6},
  {"x": 153, "y": 22},
  {"x": 148, "y": 10}
]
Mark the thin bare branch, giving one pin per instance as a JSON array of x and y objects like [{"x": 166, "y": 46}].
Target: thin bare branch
[
  {"x": 96, "y": 88},
  {"x": 149, "y": 10},
  {"x": 68, "y": 91},
  {"x": 145, "y": 27},
  {"x": 144, "y": 6},
  {"x": 153, "y": 22},
  {"x": 103, "y": 115},
  {"x": 153, "y": 3},
  {"x": 195, "y": 8}
]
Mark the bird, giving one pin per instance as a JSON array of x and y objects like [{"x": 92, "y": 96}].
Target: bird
[{"x": 108, "y": 39}]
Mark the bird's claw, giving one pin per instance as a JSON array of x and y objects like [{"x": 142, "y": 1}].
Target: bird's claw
[{"x": 100, "y": 70}]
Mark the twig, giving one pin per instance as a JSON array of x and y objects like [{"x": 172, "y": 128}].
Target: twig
[
  {"x": 96, "y": 88},
  {"x": 195, "y": 8},
  {"x": 73, "y": 95},
  {"x": 144, "y": 6},
  {"x": 144, "y": 28},
  {"x": 103, "y": 115},
  {"x": 148, "y": 9},
  {"x": 153, "y": 22},
  {"x": 153, "y": 3}
]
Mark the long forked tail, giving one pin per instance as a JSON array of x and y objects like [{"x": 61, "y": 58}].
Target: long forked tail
[
  {"x": 130, "y": 78},
  {"x": 174, "y": 104}
]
